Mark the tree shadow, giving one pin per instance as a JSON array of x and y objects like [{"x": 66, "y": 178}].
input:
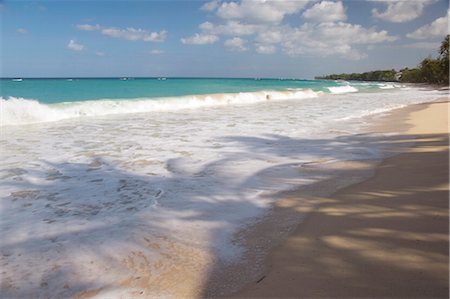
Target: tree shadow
[
  {"x": 388, "y": 237},
  {"x": 94, "y": 228}
]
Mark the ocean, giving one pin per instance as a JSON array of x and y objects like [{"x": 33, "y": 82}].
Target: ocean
[
  {"x": 44, "y": 100},
  {"x": 105, "y": 182}
]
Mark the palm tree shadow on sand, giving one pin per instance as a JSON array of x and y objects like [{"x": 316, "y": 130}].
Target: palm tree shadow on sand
[
  {"x": 121, "y": 242},
  {"x": 386, "y": 240}
]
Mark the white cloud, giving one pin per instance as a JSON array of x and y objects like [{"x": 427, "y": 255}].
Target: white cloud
[
  {"x": 135, "y": 34},
  {"x": 200, "y": 39},
  {"x": 156, "y": 52},
  {"x": 265, "y": 49},
  {"x": 438, "y": 28},
  {"x": 328, "y": 39},
  {"x": 326, "y": 11},
  {"x": 234, "y": 28},
  {"x": 401, "y": 11},
  {"x": 87, "y": 27},
  {"x": 72, "y": 45},
  {"x": 260, "y": 22},
  {"x": 129, "y": 33},
  {"x": 22, "y": 31},
  {"x": 210, "y": 6},
  {"x": 260, "y": 11},
  {"x": 236, "y": 44},
  {"x": 99, "y": 53},
  {"x": 350, "y": 33},
  {"x": 270, "y": 36}
]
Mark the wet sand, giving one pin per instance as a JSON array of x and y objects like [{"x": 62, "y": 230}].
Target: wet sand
[{"x": 386, "y": 237}]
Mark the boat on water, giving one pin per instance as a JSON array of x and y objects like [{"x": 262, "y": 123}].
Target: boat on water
[{"x": 18, "y": 79}]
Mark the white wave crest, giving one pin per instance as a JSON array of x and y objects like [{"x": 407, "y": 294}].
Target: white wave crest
[
  {"x": 387, "y": 85},
  {"x": 342, "y": 89},
  {"x": 20, "y": 111},
  {"x": 366, "y": 113}
]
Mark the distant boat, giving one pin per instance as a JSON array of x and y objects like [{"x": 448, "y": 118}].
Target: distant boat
[
  {"x": 69, "y": 79},
  {"x": 162, "y": 78},
  {"x": 17, "y": 80},
  {"x": 124, "y": 78}
]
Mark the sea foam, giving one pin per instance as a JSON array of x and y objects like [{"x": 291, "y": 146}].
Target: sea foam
[
  {"x": 342, "y": 89},
  {"x": 163, "y": 196},
  {"x": 20, "y": 111}
]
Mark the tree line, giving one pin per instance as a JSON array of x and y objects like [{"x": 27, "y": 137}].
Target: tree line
[{"x": 430, "y": 70}]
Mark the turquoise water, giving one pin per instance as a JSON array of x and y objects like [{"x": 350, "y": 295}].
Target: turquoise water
[
  {"x": 52, "y": 91},
  {"x": 26, "y": 101}
]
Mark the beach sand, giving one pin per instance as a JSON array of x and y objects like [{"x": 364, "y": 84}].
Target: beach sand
[{"x": 384, "y": 237}]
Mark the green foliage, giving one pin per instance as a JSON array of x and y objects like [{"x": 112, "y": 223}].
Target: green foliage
[
  {"x": 384, "y": 75},
  {"x": 444, "y": 59},
  {"x": 443, "y": 50},
  {"x": 411, "y": 75},
  {"x": 434, "y": 71},
  {"x": 431, "y": 71}
]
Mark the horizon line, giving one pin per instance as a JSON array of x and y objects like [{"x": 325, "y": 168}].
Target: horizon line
[{"x": 157, "y": 77}]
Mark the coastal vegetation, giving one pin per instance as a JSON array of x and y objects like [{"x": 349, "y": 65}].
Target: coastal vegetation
[{"x": 430, "y": 70}]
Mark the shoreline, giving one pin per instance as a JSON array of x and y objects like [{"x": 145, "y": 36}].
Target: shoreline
[
  {"x": 274, "y": 279},
  {"x": 185, "y": 271}
]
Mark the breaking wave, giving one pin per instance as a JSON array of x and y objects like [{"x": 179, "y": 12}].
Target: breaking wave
[
  {"x": 342, "y": 89},
  {"x": 20, "y": 111}
]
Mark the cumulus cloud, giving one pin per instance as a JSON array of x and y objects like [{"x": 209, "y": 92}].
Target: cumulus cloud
[
  {"x": 22, "y": 31},
  {"x": 200, "y": 39},
  {"x": 233, "y": 28},
  {"x": 349, "y": 33},
  {"x": 72, "y": 45},
  {"x": 99, "y": 53},
  {"x": 210, "y": 6},
  {"x": 259, "y": 11},
  {"x": 438, "y": 28},
  {"x": 328, "y": 39},
  {"x": 270, "y": 36},
  {"x": 129, "y": 33},
  {"x": 236, "y": 44},
  {"x": 265, "y": 49},
  {"x": 88, "y": 27},
  {"x": 135, "y": 34},
  {"x": 400, "y": 11},
  {"x": 325, "y": 32},
  {"x": 326, "y": 11}
]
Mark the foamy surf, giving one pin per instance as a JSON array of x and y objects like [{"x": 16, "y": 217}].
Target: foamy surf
[
  {"x": 20, "y": 111},
  {"x": 150, "y": 204},
  {"x": 342, "y": 89}
]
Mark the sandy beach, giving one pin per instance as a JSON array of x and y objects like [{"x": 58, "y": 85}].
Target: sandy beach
[
  {"x": 189, "y": 204},
  {"x": 224, "y": 149},
  {"x": 384, "y": 237}
]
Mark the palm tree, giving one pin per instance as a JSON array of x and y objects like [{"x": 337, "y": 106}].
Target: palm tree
[
  {"x": 443, "y": 57},
  {"x": 443, "y": 51}
]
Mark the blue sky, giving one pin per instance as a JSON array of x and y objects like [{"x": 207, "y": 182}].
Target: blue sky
[{"x": 230, "y": 38}]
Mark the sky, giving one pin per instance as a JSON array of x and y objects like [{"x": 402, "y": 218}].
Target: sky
[{"x": 218, "y": 38}]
